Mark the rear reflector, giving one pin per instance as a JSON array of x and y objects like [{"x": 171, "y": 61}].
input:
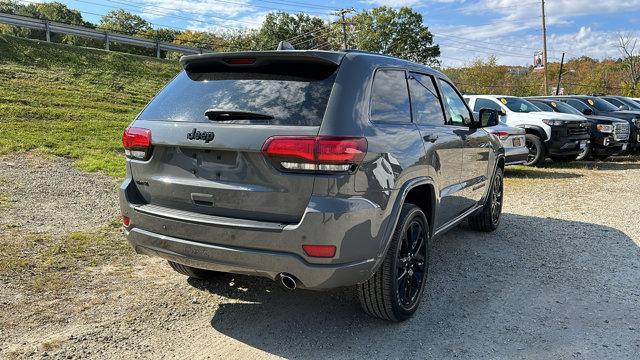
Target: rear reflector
[
  {"x": 125, "y": 221},
  {"x": 240, "y": 61},
  {"x": 315, "y": 153},
  {"x": 325, "y": 251},
  {"x": 137, "y": 143},
  {"x": 501, "y": 134}
]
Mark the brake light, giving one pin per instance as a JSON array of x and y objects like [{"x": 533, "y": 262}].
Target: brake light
[
  {"x": 126, "y": 221},
  {"x": 240, "y": 61},
  {"x": 325, "y": 251},
  {"x": 502, "y": 135},
  {"x": 137, "y": 143},
  {"x": 315, "y": 153}
]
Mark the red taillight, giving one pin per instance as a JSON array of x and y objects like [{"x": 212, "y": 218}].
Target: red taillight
[
  {"x": 501, "y": 134},
  {"x": 126, "y": 221},
  {"x": 241, "y": 61},
  {"x": 291, "y": 147},
  {"x": 137, "y": 143},
  {"x": 325, "y": 251},
  {"x": 316, "y": 153}
]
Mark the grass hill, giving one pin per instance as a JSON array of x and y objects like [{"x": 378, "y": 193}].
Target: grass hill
[{"x": 72, "y": 101}]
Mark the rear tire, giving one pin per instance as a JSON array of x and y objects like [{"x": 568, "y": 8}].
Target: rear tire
[
  {"x": 488, "y": 218},
  {"x": 192, "y": 272},
  {"x": 394, "y": 292},
  {"x": 537, "y": 151}
]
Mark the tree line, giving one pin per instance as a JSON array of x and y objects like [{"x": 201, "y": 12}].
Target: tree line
[
  {"x": 397, "y": 32},
  {"x": 583, "y": 75}
]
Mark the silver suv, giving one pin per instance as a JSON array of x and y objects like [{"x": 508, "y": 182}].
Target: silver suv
[{"x": 315, "y": 169}]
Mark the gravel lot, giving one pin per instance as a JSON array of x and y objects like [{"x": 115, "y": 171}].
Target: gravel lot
[{"x": 560, "y": 279}]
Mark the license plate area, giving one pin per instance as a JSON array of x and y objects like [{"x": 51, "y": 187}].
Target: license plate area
[
  {"x": 517, "y": 142},
  {"x": 211, "y": 158}
]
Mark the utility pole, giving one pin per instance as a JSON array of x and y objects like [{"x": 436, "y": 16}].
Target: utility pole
[
  {"x": 545, "y": 57},
  {"x": 560, "y": 75},
  {"x": 342, "y": 13}
]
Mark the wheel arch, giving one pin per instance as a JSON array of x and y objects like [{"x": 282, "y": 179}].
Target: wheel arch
[
  {"x": 412, "y": 190},
  {"x": 535, "y": 130}
]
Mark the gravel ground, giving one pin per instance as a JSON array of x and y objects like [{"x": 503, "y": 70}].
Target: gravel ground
[
  {"x": 558, "y": 280},
  {"x": 48, "y": 195}
]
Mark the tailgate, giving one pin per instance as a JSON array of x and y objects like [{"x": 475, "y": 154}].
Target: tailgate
[
  {"x": 226, "y": 177},
  {"x": 209, "y": 164}
]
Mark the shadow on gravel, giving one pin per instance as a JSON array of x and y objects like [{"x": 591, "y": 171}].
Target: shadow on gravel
[
  {"x": 592, "y": 165},
  {"x": 533, "y": 173},
  {"x": 536, "y": 288}
]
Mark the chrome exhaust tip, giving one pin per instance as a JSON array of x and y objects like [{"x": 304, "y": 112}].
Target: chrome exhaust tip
[{"x": 288, "y": 281}]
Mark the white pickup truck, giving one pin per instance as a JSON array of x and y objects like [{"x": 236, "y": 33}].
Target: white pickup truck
[{"x": 548, "y": 134}]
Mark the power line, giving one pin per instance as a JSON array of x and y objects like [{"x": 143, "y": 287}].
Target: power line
[
  {"x": 231, "y": 3},
  {"x": 161, "y": 13},
  {"x": 302, "y": 4},
  {"x": 208, "y": 44}
]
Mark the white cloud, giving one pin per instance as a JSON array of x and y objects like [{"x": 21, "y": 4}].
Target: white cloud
[
  {"x": 514, "y": 32},
  {"x": 393, "y": 3},
  {"x": 197, "y": 7}
]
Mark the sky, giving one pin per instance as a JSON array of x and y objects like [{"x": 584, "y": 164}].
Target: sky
[{"x": 465, "y": 29}]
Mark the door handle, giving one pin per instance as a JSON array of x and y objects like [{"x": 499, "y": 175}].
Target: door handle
[{"x": 431, "y": 138}]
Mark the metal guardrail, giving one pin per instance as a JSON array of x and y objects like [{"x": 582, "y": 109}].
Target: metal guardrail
[{"x": 107, "y": 36}]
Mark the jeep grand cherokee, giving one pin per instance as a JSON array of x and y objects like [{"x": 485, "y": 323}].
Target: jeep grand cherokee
[{"x": 315, "y": 169}]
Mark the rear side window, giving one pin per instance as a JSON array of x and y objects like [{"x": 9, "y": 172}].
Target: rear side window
[
  {"x": 425, "y": 101},
  {"x": 485, "y": 104},
  {"x": 390, "y": 97},
  {"x": 289, "y": 100}
]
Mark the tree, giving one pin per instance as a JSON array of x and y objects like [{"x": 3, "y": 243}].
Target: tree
[
  {"x": 200, "y": 39},
  {"x": 240, "y": 40},
  {"x": 59, "y": 12},
  {"x": 627, "y": 46},
  {"x": 303, "y": 31},
  {"x": 398, "y": 33},
  {"x": 124, "y": 22},
  {"x": 53, "y": 11}
]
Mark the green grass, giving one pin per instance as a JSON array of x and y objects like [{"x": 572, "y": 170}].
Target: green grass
[
  {"x": 72, "y": 101},
  {"x": 52, "y": 262}
]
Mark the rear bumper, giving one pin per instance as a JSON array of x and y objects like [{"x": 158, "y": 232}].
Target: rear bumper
[
  {"x": 249, "y": 261},
  {"x": 354, "y": 225},
  {"x": 515, "y": 155}
]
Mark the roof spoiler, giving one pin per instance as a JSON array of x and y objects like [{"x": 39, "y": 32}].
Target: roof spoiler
[{"x": 257, "y": 59}]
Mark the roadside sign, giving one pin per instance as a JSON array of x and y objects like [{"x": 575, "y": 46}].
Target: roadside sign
[{"x": 538, "y": 61}]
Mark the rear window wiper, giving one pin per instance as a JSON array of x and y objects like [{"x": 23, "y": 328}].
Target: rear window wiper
[{"x": 222, "y": 115}]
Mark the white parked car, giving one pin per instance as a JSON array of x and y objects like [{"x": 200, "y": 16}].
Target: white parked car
[
  {"x": 513, "y": 141},
  {"x": 548, "y": 134}
]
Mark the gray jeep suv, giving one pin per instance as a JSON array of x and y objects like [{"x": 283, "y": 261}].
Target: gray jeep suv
[{"x": 316, "y": 169}]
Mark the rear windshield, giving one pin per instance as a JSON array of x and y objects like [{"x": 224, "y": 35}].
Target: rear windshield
[{"x": 289, "y": 100}]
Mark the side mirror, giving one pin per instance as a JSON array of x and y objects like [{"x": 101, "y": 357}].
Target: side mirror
[
  {"x": 587, "y": 112},
  {"x": 623, "y": 107},
  {"x": 487, "y": 118},
  {"x": 502, "y": 113}
]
